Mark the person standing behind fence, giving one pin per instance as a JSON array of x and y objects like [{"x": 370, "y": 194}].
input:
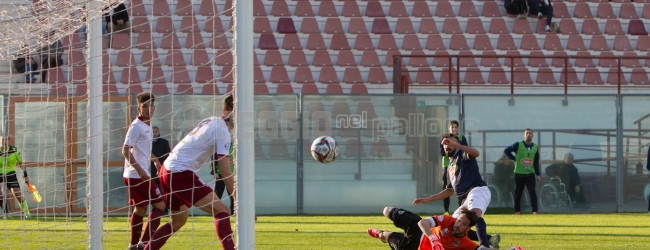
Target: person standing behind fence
[
  {"x": 159, "y": 148},
  {"x": 453, "y": 129},
  {"x": 526, "y": 169}
]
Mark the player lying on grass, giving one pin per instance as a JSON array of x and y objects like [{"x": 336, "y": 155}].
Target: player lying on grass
[{"x": 435, "y": 232}]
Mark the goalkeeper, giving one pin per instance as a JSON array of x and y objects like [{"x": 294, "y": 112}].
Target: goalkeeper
[
  {"x": 9, "y": 158},
  {"x": 435, "y": 232}
]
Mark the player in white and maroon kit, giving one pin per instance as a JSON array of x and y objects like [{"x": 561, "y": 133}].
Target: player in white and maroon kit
[
  {"x": 181, "y": 186},
  {"x": 137, "y": 157}
]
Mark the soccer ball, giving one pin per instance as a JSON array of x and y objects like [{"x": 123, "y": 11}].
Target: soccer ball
[
  {"x": 646, "y": 192},
  {"x": 324, "y": 149},
  {"x": 516, "y": 248}
]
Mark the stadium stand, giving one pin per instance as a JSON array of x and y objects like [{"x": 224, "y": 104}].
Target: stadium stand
[{"x": 319, "y": 43}]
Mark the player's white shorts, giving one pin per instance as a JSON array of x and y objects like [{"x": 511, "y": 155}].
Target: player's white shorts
[{"x": 478, "y": 197}]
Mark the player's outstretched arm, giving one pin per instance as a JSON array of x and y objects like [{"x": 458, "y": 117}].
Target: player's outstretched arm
[{"x": 439, "y": 196}]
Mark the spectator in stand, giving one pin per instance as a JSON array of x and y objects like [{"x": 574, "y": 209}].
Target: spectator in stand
[
  {"x": 516, "y": 7},
  {"x": 52, "y": 55},
  {"x": 26, "y": 64},
  {"x": 542, "y": 8},
  {"x": 117, "y": 19}
]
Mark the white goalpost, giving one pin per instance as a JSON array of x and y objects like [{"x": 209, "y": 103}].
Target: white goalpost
[{"x": 68, "y": 115}]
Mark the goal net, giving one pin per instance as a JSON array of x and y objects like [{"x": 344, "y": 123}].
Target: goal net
[{"x": 181, "y": 51}]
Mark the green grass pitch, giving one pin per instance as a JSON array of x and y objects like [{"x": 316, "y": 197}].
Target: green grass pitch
[{"x": 544, "y": 231}]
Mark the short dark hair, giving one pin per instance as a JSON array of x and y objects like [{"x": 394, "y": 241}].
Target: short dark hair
[
  {"x": 470, "y": 215},
  {"x": 144, "y": 97},
  {"x": 453, "y": 122},
  {"x": 450, "y": 135},
  {"x": 228, "y": 103},
  {"x": 528, "y": 129}
]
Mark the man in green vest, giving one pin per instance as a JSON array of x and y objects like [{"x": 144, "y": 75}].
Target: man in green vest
[
  {"x": 453, "y": 129},
  {"x": 527, "y": 171},
  {"x": 9, "y": 159}
]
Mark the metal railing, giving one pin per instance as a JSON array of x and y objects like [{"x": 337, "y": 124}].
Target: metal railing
[{"x": 401, "y": 84}]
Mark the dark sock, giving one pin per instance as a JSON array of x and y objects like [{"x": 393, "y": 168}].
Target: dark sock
[
  {"x": 224, "y": 230},
  {"x": 160, "y": 237},
  {"x": 3, "y": 206},
  {"x": 136, "y": 228},
  {"x": 481, "y": 231},
  {"x": 445, "y": 203},
  {"x": 473, "y": 235},
  {"x": 152, "y": 224}
]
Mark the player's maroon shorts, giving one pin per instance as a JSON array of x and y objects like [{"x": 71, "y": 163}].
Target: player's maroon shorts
[
  {"x": 142, "y": 193},
  {"x": 182, "y": 188}
]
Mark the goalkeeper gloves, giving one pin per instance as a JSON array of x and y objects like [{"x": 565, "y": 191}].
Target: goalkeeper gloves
[{"x": 435, "y": 243}]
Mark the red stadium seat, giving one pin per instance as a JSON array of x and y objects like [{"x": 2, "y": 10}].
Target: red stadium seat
[
  {"x": 346, "y": 58},
  {"x": 286, "y": 26},
  {"x": 546, "y": 76},
  {"x": 491, "y": 9},
  {"x": 316, "y": 42},
  {"x": 569, "y": 76},
  {"x": 444, "y": 9},
  {"x": 428, "y": 26},
  {"x": 322, "y": 59},
  {"x": 605, "y": 11},
  {"x": 280, "y": 8},
  {"x": 273, "y": 58},
  {"x": 420, "y": 9},
  {"x": 333, "y": 26},
  {"x": 369, "y": 58},
  {"x": 522, "y": 76},
  {"x": 327, "y": 9},
  {"x": 582, "y": 10},
  {"x": 309, "y": 89},
  {"x": 352, "y": 75},
  {"x": 357, "y": 26},
  {"x": 204, "y": 74},
  {"x": 303, "y": 75},
  {"x": 304, "y": 9},
  {"x": 397, "y": 9},
  {"x": 381, "y": 26},
  {"x": 170, "y": 41},
  {"x": 592, "y": 76},
  {"x": 328, "y": 75},
  {"x": 124, "y": 58},
  {"x": 474, "y": 76},
  {"x": 339, "y": 42},
  {"x": 374, "y": 9},
  {"x": 150, "y": 58},
  {"x": 175, "y": 58},
  {"x": 425, "y": 76},
  {"x": 180, "y": 75},
  {"x": 267, "y": 42},
  {"x": 404, "y": 26},
  {"x": 145, "y": 41},
  {"x": 497, "y": 76},
  {"x": 184, "y": 8},
  {"x": 262, "y": 25},
  {"x": 377, "y": 75},
  {"x": 279, "y": 74},
  {"x": 475, "y": 26},
  {"x": 208, "y": 8},
  {"x": 467, "y": 9},
  {"x": 351, "y": 9},
  {"x": 160, "y": 8},
  {"x": 297, "y": 58}
]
